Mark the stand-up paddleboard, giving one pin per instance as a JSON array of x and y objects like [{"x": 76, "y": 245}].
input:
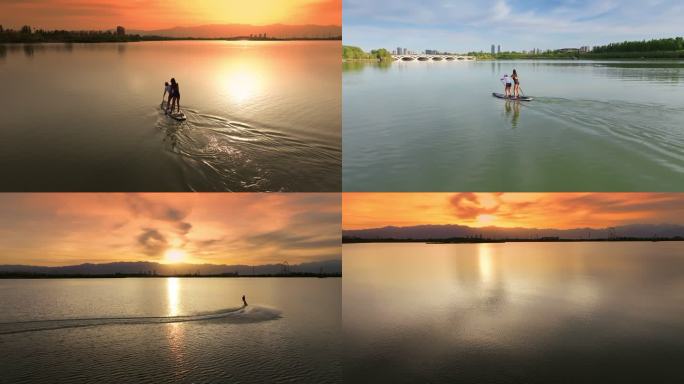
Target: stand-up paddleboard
[
  {"x": 521, "y": 98},
  {"x": 180, "y": 116}
]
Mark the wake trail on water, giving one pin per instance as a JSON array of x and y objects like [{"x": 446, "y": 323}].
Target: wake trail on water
[
  {"x": 647, "y": 127},
  {"x": 238, "y": 315},
  {"x": 233, "y": 155}
]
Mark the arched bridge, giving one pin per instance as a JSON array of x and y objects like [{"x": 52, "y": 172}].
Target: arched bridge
[{"x": 423, "y": 57}]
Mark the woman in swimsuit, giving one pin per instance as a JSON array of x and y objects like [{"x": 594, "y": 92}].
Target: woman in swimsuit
[{"x": 516, "y": 81}]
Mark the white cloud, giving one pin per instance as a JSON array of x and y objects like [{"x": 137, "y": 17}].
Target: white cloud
[{"x": 516, "y": 24}]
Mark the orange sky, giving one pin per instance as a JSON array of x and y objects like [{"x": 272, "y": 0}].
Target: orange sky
[
  {"x": 539, "y": 210},
  {"x": 158, "y": 14},
  {"x": 235, "y": 228}
]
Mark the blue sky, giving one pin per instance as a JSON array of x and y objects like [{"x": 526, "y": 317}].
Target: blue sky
[{"x": 462, "y": 26}]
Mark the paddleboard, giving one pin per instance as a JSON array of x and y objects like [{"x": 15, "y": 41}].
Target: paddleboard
[
  {"x": 521, "y": 98},
  {"x": 180, "y": 116}
]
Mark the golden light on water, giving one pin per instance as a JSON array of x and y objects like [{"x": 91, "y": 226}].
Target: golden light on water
[
  {"x": 173, "y": 287},
  {"x": 485, "y": 263},
  {"x": 174, "y": 331},
  {"x": 242, "y": 84}
]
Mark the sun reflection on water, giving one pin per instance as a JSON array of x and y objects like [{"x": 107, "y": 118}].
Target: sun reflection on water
[
  {"x": 241, "y": 84},
  {"x": 485, "y": 262},
  {"x": 173, "y": 296},
  {"x": 175, "y": 331}
]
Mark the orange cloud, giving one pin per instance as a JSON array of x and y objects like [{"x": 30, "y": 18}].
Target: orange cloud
[
  {"x": 156, "y": 14},
  {"x": 61, "y": 229},
  {"x": 542, "y": 210}
]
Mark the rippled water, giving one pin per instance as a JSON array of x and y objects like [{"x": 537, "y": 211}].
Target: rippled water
[
  {"x": 170, "y": 329},
  {"x": 514, "y": 313},
  {"x": 262, "y": 116},
  {"x": 434, "y": 126}
]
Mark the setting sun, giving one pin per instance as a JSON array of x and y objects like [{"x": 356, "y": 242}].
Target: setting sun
[
  {"x": 485, "y": 219},
  {"x": 174, "y": 255}
]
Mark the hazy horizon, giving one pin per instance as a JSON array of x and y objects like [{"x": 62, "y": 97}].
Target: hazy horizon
[{"x": 514, "y": 227}]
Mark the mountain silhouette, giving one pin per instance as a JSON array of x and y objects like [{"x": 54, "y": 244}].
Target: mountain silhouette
[
  {"x": 492, "y": 232},
  {"x": 144, "y": 267},
  {"x": 235, "y": 30}
]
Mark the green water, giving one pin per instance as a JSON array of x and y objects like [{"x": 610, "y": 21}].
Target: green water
[{"x": 593, "y": 126}]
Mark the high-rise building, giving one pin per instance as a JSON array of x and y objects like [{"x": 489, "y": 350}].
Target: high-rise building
[
  {"x": 498, "y": 48},
  {"x": 405, "y": 51},
  {"x": 398, "y": 50},
  {"x": 120, "y": 31},
  {"x": 493, "y": 51}
]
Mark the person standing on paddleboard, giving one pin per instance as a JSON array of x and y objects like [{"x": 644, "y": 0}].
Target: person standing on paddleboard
[
  {"x": 167, "y": 90},
  {"x": 507, "y": 84},
  {"x": 244, "y": 301},
  {"x": 174, "y": 97},
  {"x": 516, "y": 81}
]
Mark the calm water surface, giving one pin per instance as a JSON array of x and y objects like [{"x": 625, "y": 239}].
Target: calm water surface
[
  {"x": 434, "y": 126},
  {"x": 170, "y": 330},
  {"x": 262, "y": 116},
  {"x": 514, "y": 313}
]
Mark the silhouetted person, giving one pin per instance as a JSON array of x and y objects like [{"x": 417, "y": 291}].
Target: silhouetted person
[
  {"x": 174, "y": 97},
  {"x": 244, "y": 302},
  {"x": 167, "y": 90}
]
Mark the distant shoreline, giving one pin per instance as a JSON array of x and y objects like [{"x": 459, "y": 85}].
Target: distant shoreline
[
  {"x": 21, "y": 275},
  {"x": 338, "y": 38},
  {"x": 593, "y": 58},
  {"x": 488, "y": 241}
]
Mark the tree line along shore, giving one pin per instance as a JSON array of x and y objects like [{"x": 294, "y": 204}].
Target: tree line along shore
[
  {"x": 670, "y": 48},
  {"x": 478, "y": 240},
  {"x": 31, "y": 275},
  {"x": 27, "y": 35}
]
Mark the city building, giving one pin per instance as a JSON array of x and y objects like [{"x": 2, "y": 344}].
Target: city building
[
  {"x": 120, "y": 31},
  {"x": 405, "y": 51},
  {"x": 498, "y": 49},
  {"x": 493, "y": 49}
]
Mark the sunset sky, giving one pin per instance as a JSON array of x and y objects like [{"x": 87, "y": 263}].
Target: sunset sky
[
  {"x": 156, "y": 14},
  {"x": 531, "y": 210},
  {"x": 253, "y": 229}
]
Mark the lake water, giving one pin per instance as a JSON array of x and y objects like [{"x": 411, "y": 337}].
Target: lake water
[
  {"x": 158, "y": 330},
  {"x": 262, "y": 116},
  {"x": 514, "y": 313},
  {"x": 434, "y": 126}
]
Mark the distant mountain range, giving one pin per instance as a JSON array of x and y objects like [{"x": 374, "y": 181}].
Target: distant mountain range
[
  {"x": 142, "y": 267},
  {"x": 234, "y": 30},
  {"x": 447, "y": 231}
]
